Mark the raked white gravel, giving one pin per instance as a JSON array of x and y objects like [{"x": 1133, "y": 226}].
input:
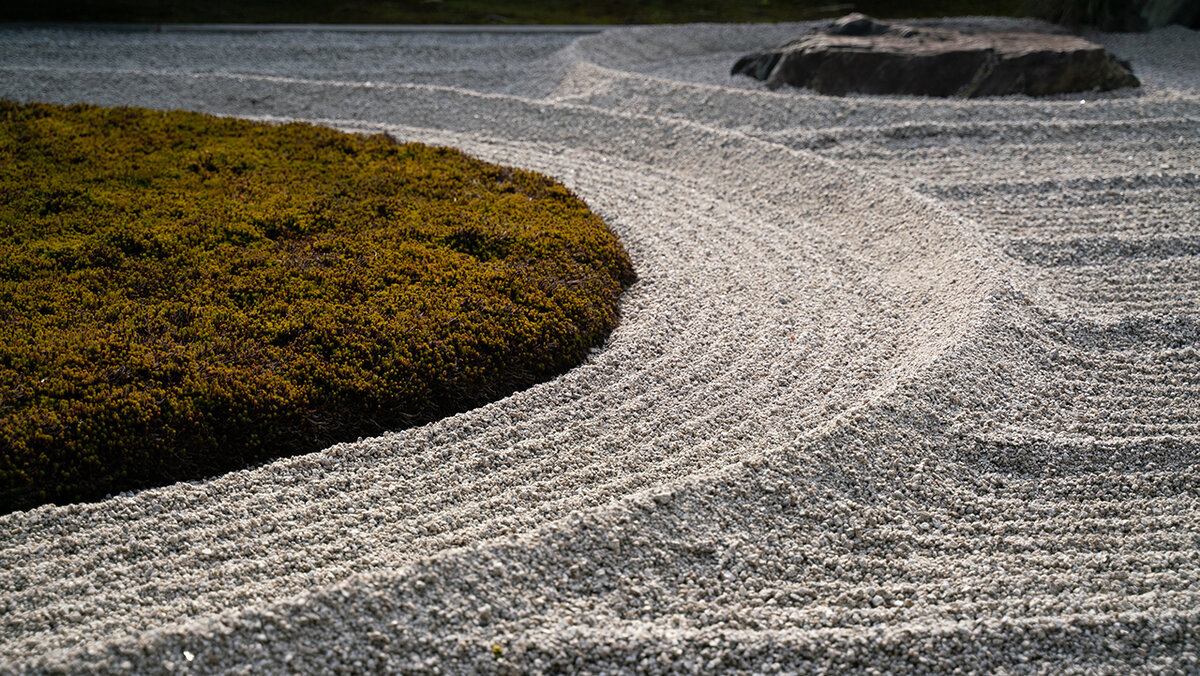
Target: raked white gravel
[{"x": 906, "y": 385}]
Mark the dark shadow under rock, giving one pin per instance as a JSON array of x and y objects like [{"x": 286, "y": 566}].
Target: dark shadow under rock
[{"x": 857, "y": 54}]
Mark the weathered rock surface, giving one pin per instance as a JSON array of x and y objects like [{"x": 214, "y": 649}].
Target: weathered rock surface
[{"x": 857, "y": 54}]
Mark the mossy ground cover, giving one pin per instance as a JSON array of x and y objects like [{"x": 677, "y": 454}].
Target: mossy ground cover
[
  {"x": 182, "y": 295},
  {"x": 491, "y": 11}
]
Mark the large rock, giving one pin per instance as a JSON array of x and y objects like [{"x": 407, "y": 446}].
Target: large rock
[{"x": 857, "y": 54}]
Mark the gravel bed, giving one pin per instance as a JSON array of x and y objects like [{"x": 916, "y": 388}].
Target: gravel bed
[{"x": 905, "y": 385}]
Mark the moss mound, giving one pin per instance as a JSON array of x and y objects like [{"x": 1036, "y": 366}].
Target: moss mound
[{"x": 182, "y": 295}]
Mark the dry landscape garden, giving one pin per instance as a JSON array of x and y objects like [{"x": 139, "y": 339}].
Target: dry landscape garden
[{"x": 322, "y": 348}]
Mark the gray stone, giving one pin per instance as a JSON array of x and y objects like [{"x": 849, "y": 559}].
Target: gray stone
[{"x": 857, "y": 54}]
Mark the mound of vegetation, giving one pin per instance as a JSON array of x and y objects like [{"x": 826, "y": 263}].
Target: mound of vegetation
[{"x": 182, "y": 295}]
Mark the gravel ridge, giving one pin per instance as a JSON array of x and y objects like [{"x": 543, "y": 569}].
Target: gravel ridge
[{"x": 905, "y": 385}]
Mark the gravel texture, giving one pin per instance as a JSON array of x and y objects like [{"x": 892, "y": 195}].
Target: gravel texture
[{"x": 906, "y": 385}]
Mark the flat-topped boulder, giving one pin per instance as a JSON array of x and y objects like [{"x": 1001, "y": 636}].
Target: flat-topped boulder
[{"x": 857, "y": 54}]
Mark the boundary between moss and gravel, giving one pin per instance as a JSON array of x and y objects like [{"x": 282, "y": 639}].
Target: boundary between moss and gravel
[
  {"x": 492, "y": 12},
  {"x": 183, "y": 295}
]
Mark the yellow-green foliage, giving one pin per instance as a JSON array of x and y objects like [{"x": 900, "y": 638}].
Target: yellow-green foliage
[{"x": 181, "y": 295}]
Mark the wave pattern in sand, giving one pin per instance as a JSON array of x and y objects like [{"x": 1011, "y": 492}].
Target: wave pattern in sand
[{"x": 905, "y": 384}]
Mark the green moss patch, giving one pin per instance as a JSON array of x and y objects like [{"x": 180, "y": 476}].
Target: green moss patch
[
  {"x": 183, "y": 295},
  {"x": 497, "y": 11}
]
